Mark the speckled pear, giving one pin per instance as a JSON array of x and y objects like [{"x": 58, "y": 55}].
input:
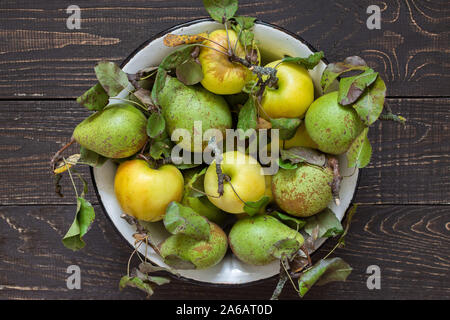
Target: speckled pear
[
  {"x": 332, "y": 126},
  {"x": 203, "y": 254},
  {"x": 118, "y": 131},
  {"x": 184, "y": 105},
  {"x": 251, "y": 239},
  {"x": 304, "y": 191}
]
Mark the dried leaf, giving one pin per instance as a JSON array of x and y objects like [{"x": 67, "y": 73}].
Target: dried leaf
[
  {"x": 144, "y": 96},
  {"x": 173, "y": 40},
  {"x": 64, "y": 165},
  {"x": 334, "y": 70},
  {"x": 284, "y": 248}
]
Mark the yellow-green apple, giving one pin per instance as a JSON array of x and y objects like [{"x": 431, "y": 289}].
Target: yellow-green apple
[
  {"x": 293, "y": 94},
  {"x": 300, "y": 139},
  {"x": 220, "y": 75},
  {"x": 246, "y": 178},
  {"x": 144, "y": 192}
]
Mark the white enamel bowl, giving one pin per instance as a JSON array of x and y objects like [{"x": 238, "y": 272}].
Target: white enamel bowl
[{"x": 230, "y": 271}]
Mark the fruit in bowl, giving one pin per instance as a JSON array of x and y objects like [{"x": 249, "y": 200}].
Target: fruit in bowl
[{"x": 173, "y": 192}]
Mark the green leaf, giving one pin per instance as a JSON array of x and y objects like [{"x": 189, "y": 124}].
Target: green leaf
[
  {"x": 111, "y": 77},
  {"x": 221, "y": 10},
  {"x": 370, "y": 105},
  {"x": 329, "y": 225},
  {"x": 359, "y": 153},
  {"x": 334, "y": 70},
  {"x": 180, "y": 219},
  {"x": 253, "y": 207},
  {"x": 245, "y": 22},
  {"x": 178, "y": 57},
  {"x": 189, "y": 72},
  {"x": 91, "y": 158},
  {"x": 351, "y": 88},
  {"x": 155, "y": 125},
  {"x": 195, "y": 181},
  {"x": 294, "y": 223},
  {"x": 247, "y": 116},
  {"x": 323, "y": 272},
  {"x": 95, "y": 99},
  {"x": 286, "y": 164},
  {"x": 160, "y": 147},
  {"x": 309, "y": 63},
  {"x": 137, "y": 283},
  {"x": 83, "y": 219},
  {"x": 303, "y": 154},
  {"x": 284, "y": 248},
  {"x": 287, "y": 127},
  {"x": 160, "y": 81}
]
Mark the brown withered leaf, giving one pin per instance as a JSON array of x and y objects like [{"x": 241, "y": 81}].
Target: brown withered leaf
[
  {"x": 174, "y": 40},
  {"x": 263, "y": 124}
]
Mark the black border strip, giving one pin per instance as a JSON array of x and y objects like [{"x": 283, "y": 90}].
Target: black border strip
[{"x": 159, "y": 35}]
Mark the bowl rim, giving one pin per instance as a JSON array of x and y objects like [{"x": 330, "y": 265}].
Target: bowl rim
[{"x": 91, "y": 169}]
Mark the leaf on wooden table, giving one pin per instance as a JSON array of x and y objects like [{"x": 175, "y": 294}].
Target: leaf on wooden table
[
  {"x": 84, "y": 217},
  {"x": 323, "y": 272}
]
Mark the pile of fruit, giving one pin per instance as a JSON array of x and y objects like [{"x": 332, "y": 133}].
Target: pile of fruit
[{"x": 221, "y": 81}]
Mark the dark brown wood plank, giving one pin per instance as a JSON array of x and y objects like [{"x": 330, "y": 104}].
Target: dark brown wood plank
[
  {"x": 409, "y": 164},
  {"x": 41, "y": 58},
  {"x": 410, "y": 244}
]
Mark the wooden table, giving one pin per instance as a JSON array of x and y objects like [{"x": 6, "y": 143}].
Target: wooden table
[{"x": 402, "y": 225}]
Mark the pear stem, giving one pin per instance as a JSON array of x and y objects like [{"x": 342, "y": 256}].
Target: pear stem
[{"x": 59, "y": 152}]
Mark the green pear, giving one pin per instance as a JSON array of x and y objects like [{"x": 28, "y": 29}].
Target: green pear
[
  {"x": 252, "y": 239},
  {"x": 202, "y": 254},
  {"x": 331, "y": 126},
  {"x": 118, "y": 131},
  {"x": 184, "y": 105},
  {"x": 303, "y": 191}
]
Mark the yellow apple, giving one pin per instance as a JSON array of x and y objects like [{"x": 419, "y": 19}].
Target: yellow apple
[
  {"x": 246, "y": 179},
  {"x": 144, "y": 192},
  {"x": 300, "y": 139},
  {"x": 220, "y": 75},
  {"x": 293, "y": 94}
]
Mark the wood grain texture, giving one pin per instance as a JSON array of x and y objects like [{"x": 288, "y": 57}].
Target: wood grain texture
[
  {"x": 409, "y": 164},
  {"x": 411, "y": 245},
  {"x": 41, "y": 58}
]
